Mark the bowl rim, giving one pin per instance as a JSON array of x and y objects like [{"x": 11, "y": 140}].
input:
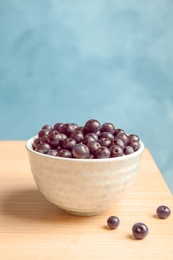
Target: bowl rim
[{"x": 28, "y": 146}]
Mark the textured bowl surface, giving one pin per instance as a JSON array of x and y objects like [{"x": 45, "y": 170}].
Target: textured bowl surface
[{"x": 83, "y": 186}]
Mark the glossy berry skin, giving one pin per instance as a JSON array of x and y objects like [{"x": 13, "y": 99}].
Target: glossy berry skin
[
  {"x": 81, "y": 129},
  {"x": 68, "y": 143},
  {"x": 107, "y": 135},
  {"x": 68, "y": 129},
  {"x": 163, "y": 211},
  {"x": 54, "y": 139},
  {"x": 133, "y": 138},
  {"x": 108, "y": 127},
  {"x": 49, "y": 127},
  {"x": 123, "y": 137},
  {"x": 117, "y": 131},
  {"x": 52, "y": 152},
  {"x": 94, "y": 135},
  {"x": 113, "y": 222},
  {"x": 35, "y": 143},
  {"x": 104, "y": 141},
  {"x": 42, "y": 148},
  {"x": 43, "y": 132},
  {"x": 118, "y": 142},
  {"x": 64, "y": 153},
  {"x": 87, "y": 139},
  {"x": 128, "y": 150},
  {"x": 98, "y": 133},
  {"x": 58, "y": 127},
  {"x": 116, "y": 151},
  {"x": 92, "y": 126},
  {"x": 93, "y": 146},
  {"x": 139, "y": 230},
  {"x": 75, "y": 125},
  {"x": 102, "y": 152},
  {"x": 80, "y": 151},
  {"x": 135, "y": 145},
  {"x": 77, "y": 136},
  {"x": 43, "y": 139},
  {"x": 63, "y": 137}
]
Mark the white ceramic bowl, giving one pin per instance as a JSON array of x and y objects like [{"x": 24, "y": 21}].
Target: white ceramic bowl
[{"x": 83, "y": 187}]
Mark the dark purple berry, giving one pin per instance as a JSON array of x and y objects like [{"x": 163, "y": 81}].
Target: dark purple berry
[
  {"x": 75, "y": 125},
  {"x": 123, "y": 137},
  {"x": 139, "y": 230},
  {"x": 128, "y": 150},
  {"x": 80, "y": 151},
  {"x": 43, "y": 139},
  {"x": 93, "y": 146},
  {"x": 77, "y": 136},
  {"x": 42, "y": 148},
  {"x": 133, "y": 138},
  {"x": 52, "y": 152},
  {"x": 36, "y": 142},
  {"x": 49, "y": 127},
  {"x": 94, "y": 135},
  {"x": 102, "y": 152},
  {"x": 104, "y": 141},
  {"x": 107, "y": 135},
  {"x": 43, "y": 132},
  {"x": 108, "y": 127},
  {"x": 81, "y": 129},
  {"x": 87, "y": 139},
  {"x": 118, "y": 142},
  {"x": 58, "y": 127},
  {"x": 68, "y": 129},
  {"x": 54, "y": 139},
  {"x": 163, "y": 211},
  {"x": 63, "y": 137},
  {"x": 113, "y": 222},
  {"x": 135, "y": 145},
  {"x": 116, "y": 151},
  {"x": 92, "y": 126},
  {"x": 64, "y": 153},
  {"x": 98, "y": 133},
  {"x": 118, "y": 130},
  {"x": 91, "y": 156},
  {"x": 68, "y": 143}
]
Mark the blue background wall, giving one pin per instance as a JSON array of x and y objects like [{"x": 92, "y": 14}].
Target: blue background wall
[{"x": 71, "y": 61}]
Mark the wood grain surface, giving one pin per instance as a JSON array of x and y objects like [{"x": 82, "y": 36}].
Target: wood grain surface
[{"x": 33, "y": 228}]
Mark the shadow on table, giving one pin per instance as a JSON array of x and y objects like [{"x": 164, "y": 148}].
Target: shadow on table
[
  {"x": 29, "y": 203},
  {"x": 30, "y": 207}
]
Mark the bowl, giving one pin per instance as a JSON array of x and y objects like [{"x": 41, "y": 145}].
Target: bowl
[{"x": 83, "y": 187}]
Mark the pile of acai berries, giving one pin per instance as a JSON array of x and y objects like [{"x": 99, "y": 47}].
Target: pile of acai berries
[{"x": 91, "y": 141}]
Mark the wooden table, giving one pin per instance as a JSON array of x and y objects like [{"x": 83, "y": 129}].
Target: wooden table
[{"x": 33, "y": 228}]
